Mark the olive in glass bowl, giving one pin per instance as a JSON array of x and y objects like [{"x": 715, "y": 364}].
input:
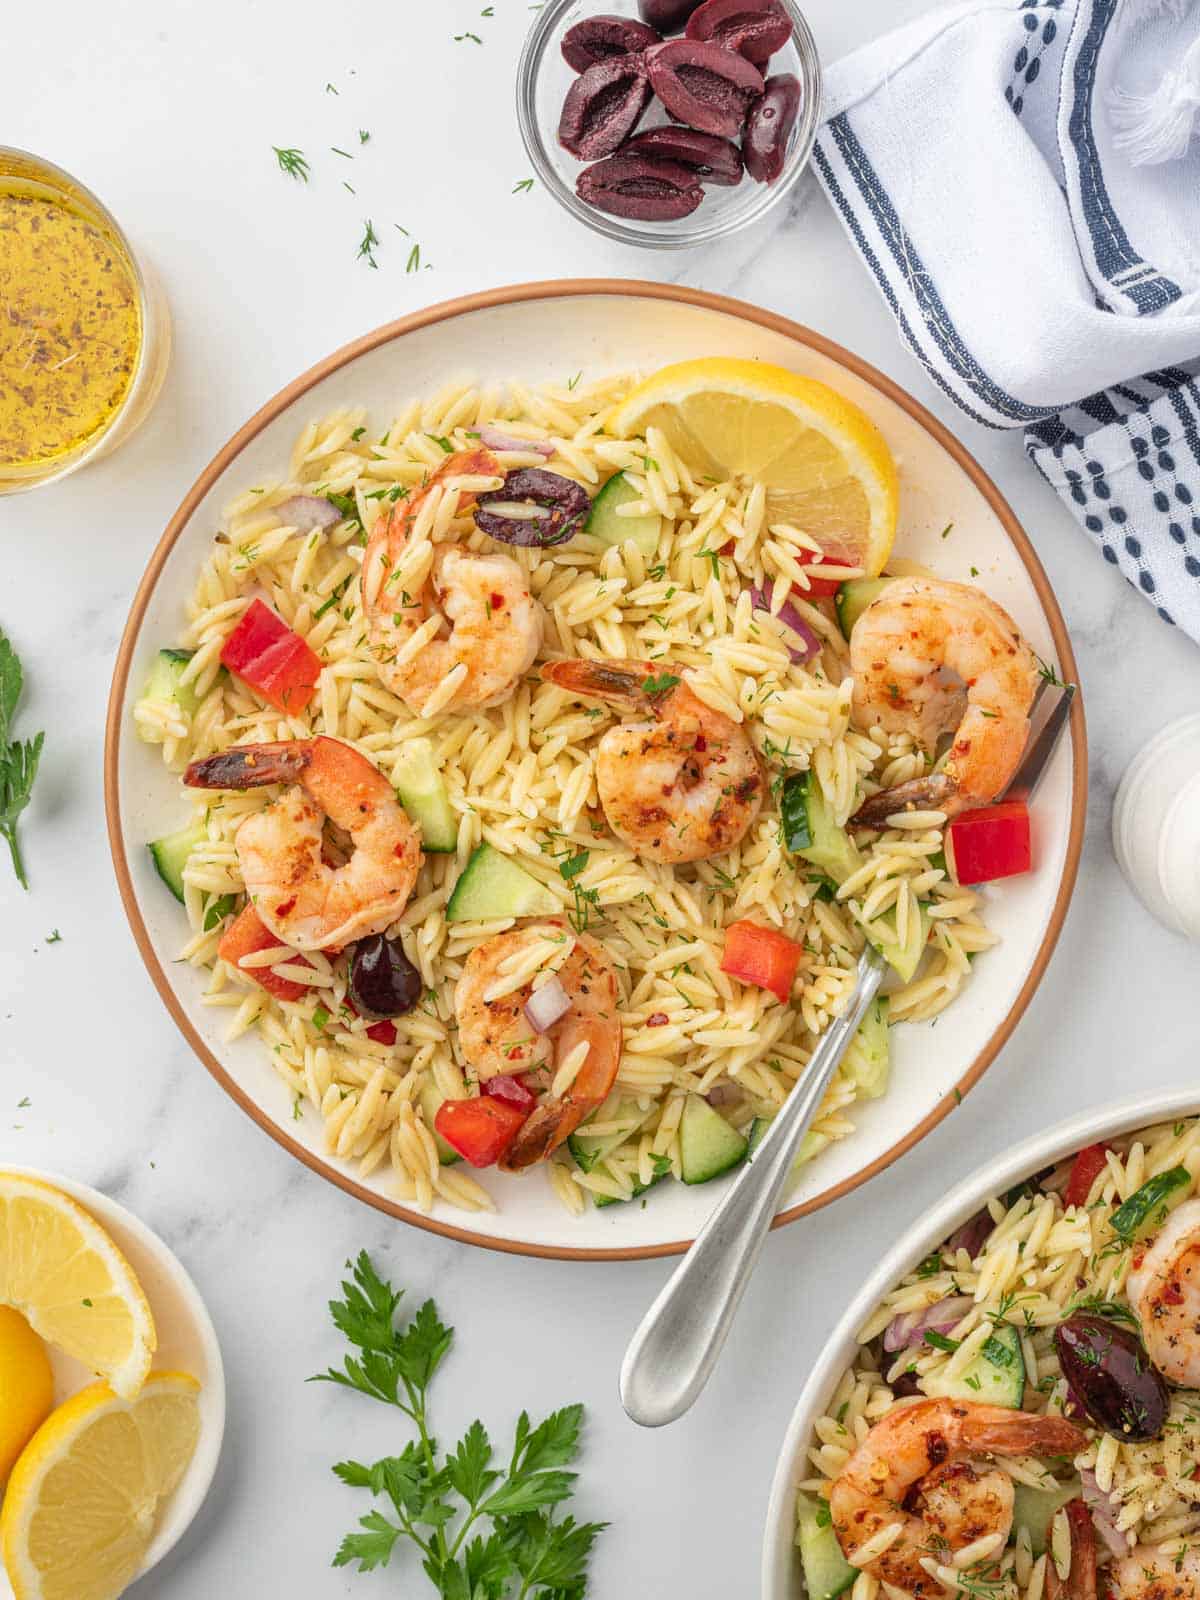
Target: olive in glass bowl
[{"x": 545, "y": 77}]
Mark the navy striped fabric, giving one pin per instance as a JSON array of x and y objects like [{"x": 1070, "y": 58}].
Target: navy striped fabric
[{"x": 1126, "y": 458}]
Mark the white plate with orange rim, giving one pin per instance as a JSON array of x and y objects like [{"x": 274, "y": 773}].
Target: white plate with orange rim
[
  {"x": 187, "y": 1342},
  {"x": 535, "y": 332}
]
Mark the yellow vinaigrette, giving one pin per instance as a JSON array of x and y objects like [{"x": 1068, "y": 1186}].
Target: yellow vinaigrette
[{"x": 70, "y": 324}]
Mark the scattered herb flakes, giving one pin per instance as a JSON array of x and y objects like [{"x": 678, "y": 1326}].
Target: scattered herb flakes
[
  {"x": 414, "y": 258},
  {"x": 329, "y": 89},
  {"x": 574, "y": 866},
  {"x": 292, "y": 162},
  {"x": 655, "y": 687},
  {"x": 947, "y": 530},
  {"x": 525, "y": 185},
  {"x": 367, "y": 244},
  {"x": 460, "y": 38},
  {"x": 357, "y": 434},
  {"x": 364, "y": 136},
  {"x": 338, "y": 152},
  {"x": 24, "y": 1103},
  {"x": 54, "y": 937},
  {"x": 573, "y": 383}
]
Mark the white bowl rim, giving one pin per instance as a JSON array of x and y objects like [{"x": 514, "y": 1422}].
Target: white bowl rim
[
  {"x": 549, "y": 291},
  {"x": 964, "y": 1200},
  {"x": 192, "y": 1491}
]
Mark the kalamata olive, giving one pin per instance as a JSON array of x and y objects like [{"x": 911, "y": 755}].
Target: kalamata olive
[
  {"x": 1111, "y": 1376},
  {"x": 534, "y": 508},
  {"x": 603, "y": 106},
  {"x": 754, "y": 30},
  {"x": 597, "y": 38},
  {"x": 906, "y": 1386},
  {"x": 641, "y": 187},
  {"x": 973, "y": 1234},
  {"x": 704, "y": 85},
  {"x": 769, "y": 125},
  {"x": 667, "y": 15},
  {"x": 383, "y": 981},
  {"x": 711, "y": 158}
]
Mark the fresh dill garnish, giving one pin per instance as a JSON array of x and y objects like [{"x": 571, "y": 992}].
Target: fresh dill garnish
[
  {"x": 363, "y": 136},
  {"x": 414, "y": 257},
  {"x": 369, "y": 240},
  {"x": 525, "y": 185},
  {"x": 656, "y": 687},
  {"x": 292, "y": 162}
]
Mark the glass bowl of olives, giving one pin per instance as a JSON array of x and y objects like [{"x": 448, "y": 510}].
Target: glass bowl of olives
[{"x": 669, "y": 123}]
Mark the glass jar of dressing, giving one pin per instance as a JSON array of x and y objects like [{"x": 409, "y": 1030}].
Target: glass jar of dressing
[{"x": 84, "y": 328}]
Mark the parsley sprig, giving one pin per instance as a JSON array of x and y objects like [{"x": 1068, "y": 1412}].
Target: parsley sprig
[
  {"x": 440, "y": 1505},
  {"x": 18, "y": 758}
]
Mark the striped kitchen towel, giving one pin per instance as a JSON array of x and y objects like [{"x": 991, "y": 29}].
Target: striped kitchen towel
[{"x": 1021, "y": 179}]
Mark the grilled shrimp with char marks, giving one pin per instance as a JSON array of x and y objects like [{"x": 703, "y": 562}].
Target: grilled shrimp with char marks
[
  {"x": 302, "y": 899},
  {"x": 496, "y": 1036},
  {"x": 1149, "y": 1572},
  {"x": 683, "y": 782},
  {"x": 918, "y": 1467},
  {"x": 930, "y": 658},
  {"x": 1164, "y": 1289},
  {"x": 489, "y": 624}
]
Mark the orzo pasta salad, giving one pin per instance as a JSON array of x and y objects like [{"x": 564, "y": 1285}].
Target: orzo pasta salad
[
  {"x": 1022, "y": 1419},
  {"x": 553, "y": 752}
]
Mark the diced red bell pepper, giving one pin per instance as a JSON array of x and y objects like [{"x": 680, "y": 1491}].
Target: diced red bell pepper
[
  {"x": 383, "y": 1032},
  {"x": 763, "y": 957},
  {"x": 1087, "y": 1167},
  {"x": 512, "y": 1091},
  {"x": 820, "y": 588},
  {"x": 246, "y": 935},
  {"x": 991, "y": 842},
  {"x": 277, "y": 663},
  {"x": 482, "y": 1130}
]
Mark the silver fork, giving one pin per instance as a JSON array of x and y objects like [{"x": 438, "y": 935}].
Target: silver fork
[{"x": 672, "y": 1355}]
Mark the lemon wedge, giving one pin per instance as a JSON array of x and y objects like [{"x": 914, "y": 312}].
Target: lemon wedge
[
  {"x": 83, "y": 1499},
  {"x": 65, "y": 1275},
  {"x": 26, "y": 1387},
  {"x": 825, "y": 466}
]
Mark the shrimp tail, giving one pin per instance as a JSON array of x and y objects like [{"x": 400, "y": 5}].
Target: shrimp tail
[
  {"x": 937, "y": 791},
  {"x": 1013, "y": 1433},
  {"x": 621, "y": 683},
  {"x": 1081, "y": 1580},
  {"x": 251, "y": 766},
  {"x": 546, "y": 1127}
]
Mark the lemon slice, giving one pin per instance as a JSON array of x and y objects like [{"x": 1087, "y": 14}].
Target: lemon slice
[
  {"x": 83, "y": 1500},
  {"x": 61, "y": 1270},
  {"x": 825, "y": 465},
  {"x": 26, "y": 1387}
]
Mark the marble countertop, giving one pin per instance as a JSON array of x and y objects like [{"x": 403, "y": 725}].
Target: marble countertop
[{"x": 170, "y": 112}]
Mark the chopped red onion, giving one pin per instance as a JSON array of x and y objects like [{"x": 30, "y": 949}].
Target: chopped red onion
[
  {"x": 309, "y": 511},
  {"x": 546, "y": 1005},
  {"x": 911, "y": 1327},
  {"x": 973, "y": 1234},
  {"x": 790, "y": 618},
  {"x": 1104, "y": 1514},
  {"x": 496, "y": 439}
]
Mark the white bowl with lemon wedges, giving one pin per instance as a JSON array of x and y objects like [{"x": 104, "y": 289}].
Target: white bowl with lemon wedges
[
  {"x": 110, "y": 1374},
  {"x": 823, "y": 445}
]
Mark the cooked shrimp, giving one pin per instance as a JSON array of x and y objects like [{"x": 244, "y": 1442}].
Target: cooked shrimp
[
  {"x": 487, "y": 625},
  {"x": 302, "y": 899},
  {"x": 929, "y": 658},
  {"x": 1156, "y": 1572},
  {"x": 1080, "y": 1581},
  {"x": 496, "y": 1036},
  {"x": 915, "y": 1468},
  {"x": 1164, "y": 1289},
  {"x": 682, "y": 783}
]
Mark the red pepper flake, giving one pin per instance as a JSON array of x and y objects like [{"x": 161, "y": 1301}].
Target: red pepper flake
[
  {"x": 284, "y": 906},
  {"x": 497, "y": 602},
  {"x": 701, "y": 744},
  {"x": 1172, "y": 1295}
]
